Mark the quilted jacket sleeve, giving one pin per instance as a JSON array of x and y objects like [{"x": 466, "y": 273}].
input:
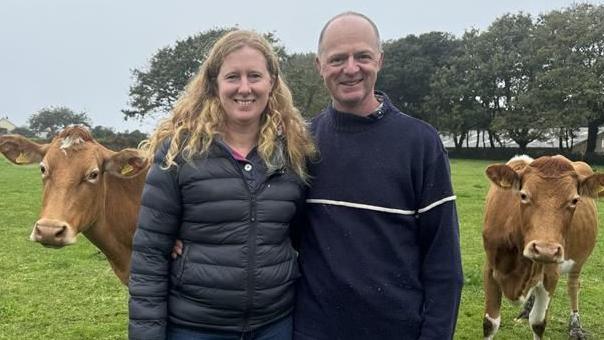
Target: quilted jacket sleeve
[{"x": 158, "y": 223}]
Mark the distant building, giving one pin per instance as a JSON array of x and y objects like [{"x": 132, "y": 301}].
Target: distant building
[
  {"x": 579, "y": 143},
  {"x": 6, "y": 124}
]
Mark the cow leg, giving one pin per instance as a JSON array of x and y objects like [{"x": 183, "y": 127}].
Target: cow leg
[
  {"x": 492, "y": 293},
  {"x": 539, "y": 311},
  {"x": 526, "y": 309},
  {"x": 575, "y": 331}
]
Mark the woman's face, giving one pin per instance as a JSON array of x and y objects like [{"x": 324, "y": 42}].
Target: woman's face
[{"x": 244, "y": 84}]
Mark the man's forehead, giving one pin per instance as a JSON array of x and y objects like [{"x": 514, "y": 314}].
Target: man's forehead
[{"x": 349, "y": 28}]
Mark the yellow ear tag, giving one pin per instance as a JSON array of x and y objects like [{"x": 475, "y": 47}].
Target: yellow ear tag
[
  {"x": 126, "y": 169},
  {"x": 22, "y": 158}
]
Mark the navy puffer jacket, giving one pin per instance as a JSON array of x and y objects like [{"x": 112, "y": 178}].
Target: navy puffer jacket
[{"x": 238, "y": 267}]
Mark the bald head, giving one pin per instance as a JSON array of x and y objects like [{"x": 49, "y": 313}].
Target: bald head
[{"x": 345, "y": 17}]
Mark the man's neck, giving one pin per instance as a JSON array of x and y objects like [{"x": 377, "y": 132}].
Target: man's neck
[{"x": 365, "y": 109}]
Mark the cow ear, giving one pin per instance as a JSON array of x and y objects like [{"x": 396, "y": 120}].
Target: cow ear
[
  {"x": 21, "y": 150},
  {"x": 126, "y": 163},
  {"x": 503, "y": 176},
  {"x": 591, "y": 186}
]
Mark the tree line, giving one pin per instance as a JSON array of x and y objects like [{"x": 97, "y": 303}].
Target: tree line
[
  {"x": 523, "y": 79},
  {"x": 48, "y": 121}
]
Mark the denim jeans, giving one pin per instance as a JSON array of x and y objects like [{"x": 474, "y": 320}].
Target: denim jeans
[{"x": 278, "y": 330}]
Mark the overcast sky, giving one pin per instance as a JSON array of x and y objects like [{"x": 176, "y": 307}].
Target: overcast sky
[{"x": 80, "y": 53}]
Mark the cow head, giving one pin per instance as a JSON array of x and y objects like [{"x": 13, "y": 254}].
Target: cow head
[
  {"x": 547, "y": 191},
  {"x": 74, "y": 170}
]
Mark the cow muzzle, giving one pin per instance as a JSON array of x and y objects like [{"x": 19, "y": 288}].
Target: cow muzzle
[
  {"x": 543, "y": 251},
  {"x": 53, "y": 233}
]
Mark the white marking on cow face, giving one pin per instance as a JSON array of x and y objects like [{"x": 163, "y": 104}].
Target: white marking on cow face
[
  {"x": 495, "y": 322},
  {"x": 566, "y": 266},
  {"x": 527, "y": 159},
  {"x": 542, "y": 298},
  {"x": 70, "y": 141}
]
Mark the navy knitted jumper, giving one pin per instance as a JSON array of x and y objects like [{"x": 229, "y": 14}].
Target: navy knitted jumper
[{"x": 379, "y": 252}]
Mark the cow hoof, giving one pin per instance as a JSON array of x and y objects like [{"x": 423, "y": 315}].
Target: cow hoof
[
  {"x": 577, "y": 335},
  {"x": 575, "y": 331}
]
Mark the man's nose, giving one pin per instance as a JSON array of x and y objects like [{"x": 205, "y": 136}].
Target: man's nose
[{"x": 351, "y": 65}]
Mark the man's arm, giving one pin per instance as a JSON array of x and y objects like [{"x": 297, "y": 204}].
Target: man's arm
[{"x": 441, "y": 270}]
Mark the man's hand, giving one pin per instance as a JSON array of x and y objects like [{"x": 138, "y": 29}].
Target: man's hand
[{"x": 177, "y": 249}]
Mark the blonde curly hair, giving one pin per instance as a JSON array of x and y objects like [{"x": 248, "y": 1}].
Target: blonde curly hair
[{"x": 198, "y": 115}]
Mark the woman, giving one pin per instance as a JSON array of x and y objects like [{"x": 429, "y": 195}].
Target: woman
[{"x": 227, "y": 176}]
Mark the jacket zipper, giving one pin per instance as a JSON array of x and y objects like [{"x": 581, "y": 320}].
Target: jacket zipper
[{"x": 251, "y": 239}]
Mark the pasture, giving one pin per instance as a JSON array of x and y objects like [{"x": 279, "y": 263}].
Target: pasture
[{"x": 72, "y": 293}]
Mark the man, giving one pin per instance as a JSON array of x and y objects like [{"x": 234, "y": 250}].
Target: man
[{"x": 379, "y": 252}]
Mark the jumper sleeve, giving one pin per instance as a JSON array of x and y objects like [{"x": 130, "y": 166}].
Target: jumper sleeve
[
  {"x": 441, "y": 271},
  {"x": 158, "y": 223}
]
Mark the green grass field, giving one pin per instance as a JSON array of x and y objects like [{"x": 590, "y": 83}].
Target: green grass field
[{"x": 72, "y": 293}]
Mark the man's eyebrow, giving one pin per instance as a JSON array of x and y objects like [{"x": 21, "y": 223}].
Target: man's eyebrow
[{"x": 336, "y": 55}]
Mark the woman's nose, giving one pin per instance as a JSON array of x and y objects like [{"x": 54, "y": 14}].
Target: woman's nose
[{"x": 244, "y": 86}]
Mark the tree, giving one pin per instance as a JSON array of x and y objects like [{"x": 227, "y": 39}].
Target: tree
[
  {"x": 453, "y": 95},
  {"x": 310, "y": 95},
  {"x": 156, "y": 89},
  {"x": 52, "y": 119},
  {"x": 23, "y": 131},
  {"x": 509, "y": 65},
  {"x": 101, "y": 132},
  {"x": 409, "y": 64},
  {"x": 574, "y": 65}
]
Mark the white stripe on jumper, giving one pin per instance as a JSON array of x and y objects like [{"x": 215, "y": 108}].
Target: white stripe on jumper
[
  {"x": 437, "y": 203},
  {"x": 378, "y": 208}
]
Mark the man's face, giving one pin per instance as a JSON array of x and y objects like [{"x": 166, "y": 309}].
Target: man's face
[{"x": 349, "y": 60}]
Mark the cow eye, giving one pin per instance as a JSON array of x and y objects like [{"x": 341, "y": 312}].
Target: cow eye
[
  {"x": 524, "y": 197},
  {"x": 574, "y": 201},
  {"x": 93, "y": 175},
  {"x": 43, "y": 170}
]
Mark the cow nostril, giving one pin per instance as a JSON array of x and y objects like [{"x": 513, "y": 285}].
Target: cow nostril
[
  {"x": 61, "y": 232},
  {"x": 558, "y": 251},
  {"x": 535, "y": 248}
]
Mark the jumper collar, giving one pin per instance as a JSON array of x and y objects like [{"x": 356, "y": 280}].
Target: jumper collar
[{"x": 348, "y": 122}]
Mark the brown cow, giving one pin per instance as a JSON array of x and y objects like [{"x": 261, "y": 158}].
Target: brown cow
[
  {"x": 540, "y": 221},
  {"x": 87, "y": 188}
]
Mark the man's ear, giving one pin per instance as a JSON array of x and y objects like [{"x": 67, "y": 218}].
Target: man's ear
[
  {"x": 381, "y": 61},
  {"x": 503, "y": 176},
  {"x": 318, "y": 65},
  {"x": 592, "y": 185},
  {"x": 21, "y": 150},
  {"x": 127, "y": 163}
]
